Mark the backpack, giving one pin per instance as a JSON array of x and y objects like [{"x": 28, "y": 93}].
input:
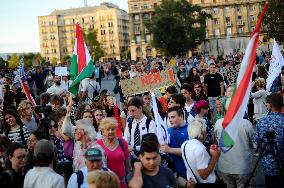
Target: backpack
[
  {"x": 95, "y": 93},
  {"x": 148, "y": 121}
]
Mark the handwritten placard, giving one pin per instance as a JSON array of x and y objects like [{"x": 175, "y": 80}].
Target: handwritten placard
[
  {"x": 61, "y": 71},
  {"x": 148, "y": 82}
]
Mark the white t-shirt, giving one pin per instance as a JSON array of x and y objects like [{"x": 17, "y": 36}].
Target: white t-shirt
[
  {"x": 43, "y": 177},
  {"x": 90, "y": 86},
  {"x": 57, "y": 90},
  {"x": 198, "y": 158}
]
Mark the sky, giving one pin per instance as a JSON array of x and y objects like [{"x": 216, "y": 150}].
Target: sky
[{"x": 19, "y": 24}]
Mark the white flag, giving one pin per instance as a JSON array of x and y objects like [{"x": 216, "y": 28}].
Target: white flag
[{"x": 277, "y": 61}]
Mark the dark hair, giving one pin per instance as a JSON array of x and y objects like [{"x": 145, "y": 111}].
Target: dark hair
[
  {"x": 43, "y": 160},
  {"x": 96, "y": 126},
  {"x": 149, "y": 146},
  {"x": 187, "y": 87},
  {"x": 275, "y": 100},
  {"x": 176, "y": 109},
  {"x": 44, "y": 98},
  {"x": 152, "y": 137},
  {"x": 10, "y": 152},
  {"x": 171, "y": 90},
  {"x": 135, "y": 101},
  {"x": 179, "y": 99},
  {"x": 39, "y": 134},
  {"x": 4, "y": 142},
  {"x": 57, "y": 98},
  {"x": 123, "y": 69},
  {"x": 191, "y": 77},
  {"x": 18, "y": 121}
]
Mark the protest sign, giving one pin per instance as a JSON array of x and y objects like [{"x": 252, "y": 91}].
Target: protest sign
[
  {"x": 61, "y": 71},
  {"x": 147, "y": 83}
]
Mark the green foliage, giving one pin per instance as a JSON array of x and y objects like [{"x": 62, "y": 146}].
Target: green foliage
[
  {"x": 93, "y": 45},
  {"x": 65, "y": 60},
  {"x": 53, "y": 61},
  {"x": 273, "y": 20},
  {"x": 13, "y": 61},
  {"x": 125, "y": 54},
  {"x": 177, "y": 27}
]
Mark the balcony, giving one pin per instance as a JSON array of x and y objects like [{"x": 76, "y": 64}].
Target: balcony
[
  {"x": 228, "y": 24},
  {"x": 240, "y": 23}
]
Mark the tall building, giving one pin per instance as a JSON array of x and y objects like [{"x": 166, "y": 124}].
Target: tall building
[
  {"x": 57, "y": 30},
  {"x": 231, "y": 25},
  {"x": 139, "y": 12}
]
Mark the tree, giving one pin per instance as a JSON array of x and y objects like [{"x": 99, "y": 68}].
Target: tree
[
  {"x": 13, "y": 61},
  {"x": 65, "y": 60},
  {"x": 273, "y": 20},
  {"x": 177, "y": 27},
  {"x": 94, "y": 46}
]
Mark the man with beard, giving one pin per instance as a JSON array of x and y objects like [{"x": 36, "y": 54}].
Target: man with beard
[{"x": 57, "y": 88}]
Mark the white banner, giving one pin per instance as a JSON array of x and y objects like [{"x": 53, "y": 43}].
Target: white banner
[{"x": 277, "y": 61}]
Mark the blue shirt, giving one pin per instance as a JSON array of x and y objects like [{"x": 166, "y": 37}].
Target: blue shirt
[
  {"x": 272, "y": 122},
  {"x": 177, "y": 137}
]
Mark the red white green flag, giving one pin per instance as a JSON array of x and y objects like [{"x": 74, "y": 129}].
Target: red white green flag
[
  {"x": 238, "y": 105},
  {"x": 82, "y": 64}
]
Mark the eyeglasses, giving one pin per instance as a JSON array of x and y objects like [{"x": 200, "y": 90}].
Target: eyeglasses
[{"x": 21, "y": 157}]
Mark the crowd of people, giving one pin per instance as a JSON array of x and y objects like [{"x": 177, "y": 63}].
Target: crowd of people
[{"x": 167, "y": 137}]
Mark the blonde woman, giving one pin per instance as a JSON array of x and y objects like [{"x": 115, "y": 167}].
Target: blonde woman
[
  {"x": 25, "y": 110},
  {"x": 259, "y": 99},
  {"x": 102, "y": 179},
  {"x": 116, "y": 149}
]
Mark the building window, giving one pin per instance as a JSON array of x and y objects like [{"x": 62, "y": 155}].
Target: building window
[
  {"x": 238, "y": 8},
  {"x": 215, "y": 10},
  {"x": 148, "y": 38},
  {"x": 110, "y": 24},
  {"x": 217, "y": 32},
  {"x": 92, "y": 19},
  {"x": 73, "y": 21},
  {"x": 252, "y": 28},
  {"x": 251, "y": 18},
  {"x": 145, "y": 6},
  {"x": 83, "y": 20},
  {"x": 216, "y": 21},
  {"x": 241, "y": 30},
  {"x": 251, "y": 7},
  {"x": 229, "y": 31},
  {"x": 239, "y": 18},
  {"x": 103, "y": 32},
  {"x": 227, "y": 9},
  {"x": 136, "y": 29},
  {"x": 137, "y": 39},
  {"x": 136, "y": 17}
]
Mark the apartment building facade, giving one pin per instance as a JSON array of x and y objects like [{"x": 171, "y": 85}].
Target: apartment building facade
[{"x": 58, "y": 29}]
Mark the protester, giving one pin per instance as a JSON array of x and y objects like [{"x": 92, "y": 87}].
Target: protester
[
  {"x": 116, "y": 150},
  {"x": 94, "y": 161},
  {"x": 147, "y": 172},
  {"x": 235, "y": 165},
  {"x": 201, "y": 170},
  {"x": 14, "y": 174},
  {"x": 102, "y": 179},
  {"x": 25, "y": 110},
  {"x": 14, "y": 128},
  {"x": 270, "y": 130},
  {"x": 136, "y": 128},
  {"x": 43, "y": 175}
]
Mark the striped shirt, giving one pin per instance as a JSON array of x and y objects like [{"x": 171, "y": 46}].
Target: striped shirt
[{"x": 15, "y": 135}]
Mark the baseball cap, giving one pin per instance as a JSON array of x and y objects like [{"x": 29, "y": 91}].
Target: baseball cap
[
  {"x": 93, "y": 154},
  {"x": 45, "y": 147}
]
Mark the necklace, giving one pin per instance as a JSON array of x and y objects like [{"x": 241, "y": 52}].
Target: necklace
[{"x": 110, "y": 145}]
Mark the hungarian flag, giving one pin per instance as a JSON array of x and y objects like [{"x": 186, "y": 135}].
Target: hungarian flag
[
  {"x": 238, "y": 105},
  {"x": 82, "y": 64}
]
